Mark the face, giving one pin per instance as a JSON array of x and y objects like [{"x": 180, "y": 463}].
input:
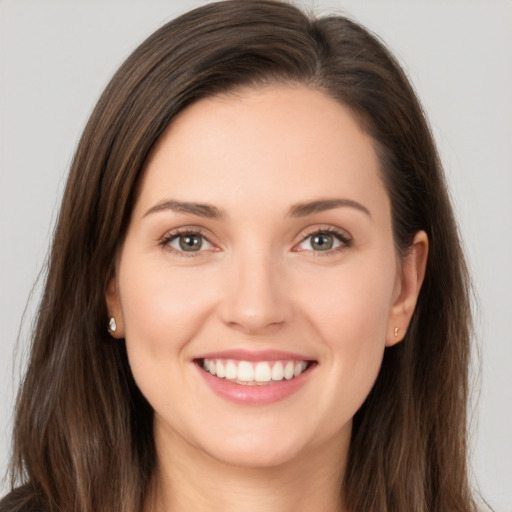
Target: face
[{"x": 260, "y": 248}]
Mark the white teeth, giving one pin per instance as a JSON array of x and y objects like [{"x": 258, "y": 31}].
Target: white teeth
[
  {"x": 245, "y": 372},
  {"x": 231, "y": 370},
  {"x": 289, "y": 370},
  {"x": 262, "y": 372},
  {"x": 299, "y": 368},
  {"x": 220, "y": 370},
  {"x": 277, "y": 371}
]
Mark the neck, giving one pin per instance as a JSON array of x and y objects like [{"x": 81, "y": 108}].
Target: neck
[{"x": 189, "y": 480}]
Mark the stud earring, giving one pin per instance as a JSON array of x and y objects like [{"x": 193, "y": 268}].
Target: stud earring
[
  {"x": 396, "y": 332},
  {"x": 112, "y": 326}
]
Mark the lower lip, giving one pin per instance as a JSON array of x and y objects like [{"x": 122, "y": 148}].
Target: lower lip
[{"x": 262, "y": 394}]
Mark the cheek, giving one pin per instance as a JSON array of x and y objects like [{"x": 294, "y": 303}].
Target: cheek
[
  {"x": 163, "y": 308},
  {"x": 165, "y": 294},
  {"x": 353, "y": 302},
  {"x": 349, "y": 313}
]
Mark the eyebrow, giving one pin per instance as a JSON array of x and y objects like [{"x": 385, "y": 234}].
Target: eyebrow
[
  {"x": 200, "y": 209},
  {"x": 298, "y": 210},
  {"x": 321, "y": 205}
]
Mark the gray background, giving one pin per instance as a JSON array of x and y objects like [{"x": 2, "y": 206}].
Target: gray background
[{"x": 56, "y": 57}]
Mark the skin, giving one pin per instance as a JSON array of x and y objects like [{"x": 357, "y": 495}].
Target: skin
[{"x": 258, "y": 283}]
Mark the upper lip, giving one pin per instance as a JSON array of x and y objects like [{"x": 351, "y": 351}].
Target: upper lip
[{"x": 252, "y": 355}]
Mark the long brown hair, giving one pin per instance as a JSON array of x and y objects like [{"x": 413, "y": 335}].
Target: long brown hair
[{"x": 83, "y": 436}]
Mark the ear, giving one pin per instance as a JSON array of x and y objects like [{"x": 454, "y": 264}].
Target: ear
[
  {"x": 407, "y": 289},
  {"x": 114, "y": 308}
]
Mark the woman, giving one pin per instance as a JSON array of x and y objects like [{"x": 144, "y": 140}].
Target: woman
[{"x": 256, "y": 297}]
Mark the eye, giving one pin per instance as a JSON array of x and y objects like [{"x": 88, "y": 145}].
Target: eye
[
  {"x": 324, "y": 240},
  {"x": 187, "y": 242}
]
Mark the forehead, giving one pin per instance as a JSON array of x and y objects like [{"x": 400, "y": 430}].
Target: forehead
[{"x": 281, "y": 143}]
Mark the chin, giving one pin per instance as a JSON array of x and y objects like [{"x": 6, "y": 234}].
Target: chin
[
  {"x": 271, "y": 445},
  {"x": 255, "y": 455}
]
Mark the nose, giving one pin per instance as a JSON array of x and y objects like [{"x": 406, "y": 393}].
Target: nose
[{"x": 255, "y": 299}]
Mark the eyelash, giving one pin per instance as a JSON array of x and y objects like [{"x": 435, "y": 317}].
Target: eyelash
[{"x": 345, "y": 241}]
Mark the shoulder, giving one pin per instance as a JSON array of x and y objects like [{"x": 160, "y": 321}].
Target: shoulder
[{"x": 20, "y": 500}]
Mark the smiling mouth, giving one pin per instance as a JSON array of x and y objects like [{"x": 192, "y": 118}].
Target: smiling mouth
[{"x": 254, "y": 373}]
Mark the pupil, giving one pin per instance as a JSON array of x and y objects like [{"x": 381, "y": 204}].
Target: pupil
[
  {"x": 322, "y": 242},
  {"x": 190, "y": 242}
]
